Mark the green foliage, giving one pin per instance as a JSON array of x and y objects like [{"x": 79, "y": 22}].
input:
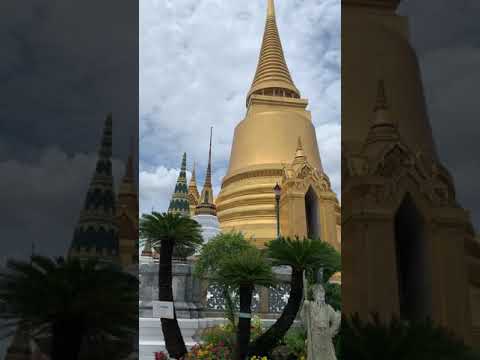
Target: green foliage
[
  {"x": 304, "y": 254},
  {"x": 249, "y": 267},
  {"x": 399, "y": 340},
  {"x": 333, "y": 295},
  {"x": 219, "y": 335},
  {"x": 95, "y": 301},
  {"x": 256, "y": 327},
  {"x": 295, "y": 340},
  {"x": 224, "y": 335},
  {"x": 222, "y": 246},
  {"x": 309, "y": 255},
  {"x": 211, "y": 254},
  {"x": 184, "y": 233}
]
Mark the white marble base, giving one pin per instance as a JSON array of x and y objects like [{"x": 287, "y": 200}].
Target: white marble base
[{"x": 210, "y": 226}]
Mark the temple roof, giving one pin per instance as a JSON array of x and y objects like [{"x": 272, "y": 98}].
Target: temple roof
[
  {"x": 272, "y": 70},
  {"x": 96, "y": 229},
  {"x": 179, "y": 203}
]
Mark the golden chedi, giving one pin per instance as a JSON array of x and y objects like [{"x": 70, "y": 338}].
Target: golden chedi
[{"x": 276, "y": 143}]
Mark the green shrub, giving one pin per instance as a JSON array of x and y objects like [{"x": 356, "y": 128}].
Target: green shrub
[
  {"x": 399, "y": 340},
  {"x": 295, "y": 340},
  {"x": 221, "y": 334}
]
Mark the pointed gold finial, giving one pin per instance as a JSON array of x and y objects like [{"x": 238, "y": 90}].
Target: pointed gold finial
[
  {"x": 206, "y": 205},
  {"x": 272, "y": 76},
  {"x": 383, "y": 128},
  {"x": 193, "y": 194},
  {"x": 193, "y": 179},
  {"x": 208, "y": 177},
  {"x": 271, "y": 8},
  {"x": 299, "y": 153},
  {"x": 381, "y": 102}
]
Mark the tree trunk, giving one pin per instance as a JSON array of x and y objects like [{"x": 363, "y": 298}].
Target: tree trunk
[
  {"x": 264, "y": 344},
  {"x": 244, "y": 322},
  {"x": 171, "y": 330},
  {"x": 229, "y": 305}
]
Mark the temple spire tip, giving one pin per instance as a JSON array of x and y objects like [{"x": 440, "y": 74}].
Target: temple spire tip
[
  {"x": 271, "y": 8},
  {"x": 381, "y": 101}
]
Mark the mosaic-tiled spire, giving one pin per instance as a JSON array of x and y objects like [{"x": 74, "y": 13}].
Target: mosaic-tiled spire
[
  {"x": 206, "y": 206},
  {"x": 96, "y": 233},
  {"x": 179, "y": 203}
]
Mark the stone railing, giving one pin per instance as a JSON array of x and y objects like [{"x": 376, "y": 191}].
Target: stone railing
[{"x": 197, "y": 298}]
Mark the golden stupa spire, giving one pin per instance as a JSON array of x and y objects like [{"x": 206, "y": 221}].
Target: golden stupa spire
[
  {"x": 127, "y": 186},
  {"x": 271, "y": 8},
  {"x": 208, "y": 177},
  {"x": 382, "y": 128},
  {"x": 381, "y": 102},
  {"x": 193, "y": 179},
  {"x": 299, "y": 152},
  {"x": 193, "y": 195},
  {"x": 206, "y": 206},
  {"x": 272, "y": 76},
  {"x": 382, "y": 116}
]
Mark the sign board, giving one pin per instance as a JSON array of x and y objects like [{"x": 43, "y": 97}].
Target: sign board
[{"x": 163, "y": 309}]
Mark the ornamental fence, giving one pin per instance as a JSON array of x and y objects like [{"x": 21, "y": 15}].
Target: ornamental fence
[{"x": 201, "y": 298}]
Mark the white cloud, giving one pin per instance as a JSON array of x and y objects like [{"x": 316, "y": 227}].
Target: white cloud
[
  {"x": 156, "y": 188},
  {"x": 197, "y": 61}
]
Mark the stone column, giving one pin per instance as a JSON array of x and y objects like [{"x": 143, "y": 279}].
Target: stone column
[
  {"x": 328, "y": 218},
  {"x": 369, "y": 281},
  {"x": 450, "y": 289},
  {"x": 292, "y": 214},
  {"x": 264, "y": 300}
]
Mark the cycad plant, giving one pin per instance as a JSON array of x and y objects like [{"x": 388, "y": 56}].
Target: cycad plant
[
  {"x": 165, "y": 232},
  {"x": 244, "y": 271},
  {"x": 73, "y": 308},
  {"x": 300, "y": 255},
  {"x": 211, "y": 255},
  {"x": 399, "y": 340}
]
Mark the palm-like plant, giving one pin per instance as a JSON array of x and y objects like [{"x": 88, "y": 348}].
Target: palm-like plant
[
  {"x": 74, "y": 307},
  {"x": 300, "y": 255},
  {"x": 399, "y": 340},
  {"x": 211, "y": 255},
  {"x": 165, "y": 232},
  {"x": 244, "y": 271}
]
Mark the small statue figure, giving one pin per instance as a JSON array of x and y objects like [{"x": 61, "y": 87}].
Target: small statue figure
[{"x": 322, "y": 323}]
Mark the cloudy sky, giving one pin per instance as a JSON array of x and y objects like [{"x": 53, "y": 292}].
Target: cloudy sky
[
  {"x": 445, "y": 35},
  {"x": 197, "y": 62}
]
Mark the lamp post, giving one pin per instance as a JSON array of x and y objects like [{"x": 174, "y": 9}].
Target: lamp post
[{"x": 277, "y": 190}]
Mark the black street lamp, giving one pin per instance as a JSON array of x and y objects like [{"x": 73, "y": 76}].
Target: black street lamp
[{"x": 277, "y": 190}]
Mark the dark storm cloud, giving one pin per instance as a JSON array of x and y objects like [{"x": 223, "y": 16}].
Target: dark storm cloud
[
  {"x": 63, "y": 66},
  {"x": 446, "y": 36}
]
